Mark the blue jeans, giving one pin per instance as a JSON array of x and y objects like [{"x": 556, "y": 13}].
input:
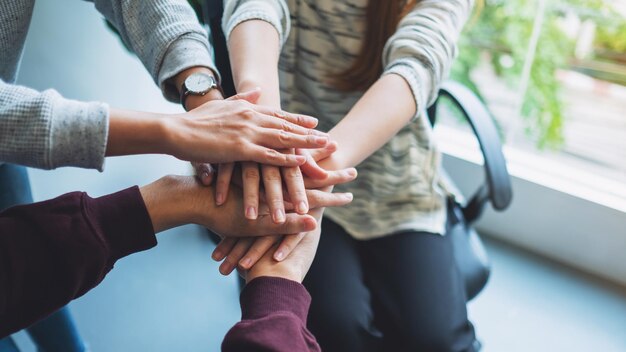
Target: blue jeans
[{"x": 57, "y": 332}]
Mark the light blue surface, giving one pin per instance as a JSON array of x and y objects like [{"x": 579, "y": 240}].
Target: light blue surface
[{"x": 172, "y": 297}]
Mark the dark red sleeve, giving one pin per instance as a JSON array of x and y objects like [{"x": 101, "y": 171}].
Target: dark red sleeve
[
  {"x": 55, "y": 251},
  {"x": 273, "y": 318}
]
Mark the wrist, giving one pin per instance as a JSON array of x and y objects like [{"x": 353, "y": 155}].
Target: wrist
[
  {"x": 276, "y": 270},
  {"x": 167, "y": 202},
  {"x": 193, "y": 101}
]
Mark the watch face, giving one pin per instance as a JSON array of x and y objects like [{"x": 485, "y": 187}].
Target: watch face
[{"x": 199, "y": 83}]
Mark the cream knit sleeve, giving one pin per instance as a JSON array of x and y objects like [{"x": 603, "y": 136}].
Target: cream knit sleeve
[
  {"x": 275, "y": 12},
  {"x": 424, "y": 45}
]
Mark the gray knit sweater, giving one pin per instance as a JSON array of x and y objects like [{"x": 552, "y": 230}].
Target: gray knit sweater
[{"x": 45, "y": 130}]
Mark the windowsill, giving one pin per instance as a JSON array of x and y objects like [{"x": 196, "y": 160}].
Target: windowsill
[{"x": 539, "y": 169}]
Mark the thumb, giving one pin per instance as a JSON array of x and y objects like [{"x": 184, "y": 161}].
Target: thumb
[
  {"x": 251, "y": 96},
  {"x": 205, "y": 172}
]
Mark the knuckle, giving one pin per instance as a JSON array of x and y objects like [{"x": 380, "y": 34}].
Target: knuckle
[
  {"x": 271, "y": 174},
  {"x": 251, "y": 198},
  {"x": 284, "y": 137},
  {"x": 251, "y": 174},
  {"x": 273, "y": 156},
  {"x": 247, "y": 113},
  {"x": 287, "y": 127}
]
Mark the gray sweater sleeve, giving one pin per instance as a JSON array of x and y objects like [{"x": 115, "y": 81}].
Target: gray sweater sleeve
[
  {"x": 424, "y": 45},
  {"x": 165, "y": 35},
  {"x": 274, "y": 12},
  {"x": 44, "y": 130}
]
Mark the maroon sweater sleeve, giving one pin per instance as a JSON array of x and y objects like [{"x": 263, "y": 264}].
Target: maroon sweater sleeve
[
  {"x": 273, "y": 318},
  {"x": 55, "y": 251}
]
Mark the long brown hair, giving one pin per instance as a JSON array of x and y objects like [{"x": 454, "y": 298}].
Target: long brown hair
[{"x": 382, "y": 19}]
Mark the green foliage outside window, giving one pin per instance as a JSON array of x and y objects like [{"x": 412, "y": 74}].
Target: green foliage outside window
[{"x": 503, "y": 29}]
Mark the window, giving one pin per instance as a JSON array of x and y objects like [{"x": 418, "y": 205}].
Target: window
[{"x": 553, "y": 73}]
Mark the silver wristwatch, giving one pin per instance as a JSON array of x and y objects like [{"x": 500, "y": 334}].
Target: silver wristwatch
[{"x": 198, "y": 83}]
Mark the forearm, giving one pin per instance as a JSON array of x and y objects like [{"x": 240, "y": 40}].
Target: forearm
[
  {"x": 254, "y": 51},
  {"x": 55, "y": 251},
  {"x": 382, "y": 111}
]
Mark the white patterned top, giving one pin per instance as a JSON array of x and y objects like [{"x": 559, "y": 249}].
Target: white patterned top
[{"x": 398, "y": 186}]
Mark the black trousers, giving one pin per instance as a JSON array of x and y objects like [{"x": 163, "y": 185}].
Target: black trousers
[{"x": 397, "y": 293}]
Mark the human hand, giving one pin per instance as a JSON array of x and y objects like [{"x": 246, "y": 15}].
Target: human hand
[
  {"x": 177, "y": 200},
  {"x": 294, "y": 267},
  {"x": 245, "y": 252},
  {"x": 273, "y": 179},
  {"x": 236, "y": 130},
  {"x": 231, "y": 250}
]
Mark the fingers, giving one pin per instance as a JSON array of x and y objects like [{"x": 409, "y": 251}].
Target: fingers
[
  {"x": 277, "y": 139},
  {"x": 273, "y": 123},
  {"x": 295, "y": 187},
  {"x": 205, "y": 173},
  {"x": 224, "y": 175},
  {"x": 251, "y": 96},
  {"x": 270, "y": 156},
  {"x": 300, "y": 120},
  {"x": 321, "y": 199},
  {"x": 333, "y": 178},
  {"x": 287, "y": 245},
  {"x": 311, "y": 168},
  {"x": 223, "y": 248},
  {"x": 323, "y": 153},
  {"x": 237, "y": 252},
  {"x": 272, "y": 182},
  {"x": 293, "y": 223},
  {"x": 257, "y": 250},
  {"x": 251, "y": 179}
]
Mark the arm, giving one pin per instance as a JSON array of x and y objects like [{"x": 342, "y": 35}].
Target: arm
[
  {"x": 165, "y": 35},
  {"x": 275, "y": 305},
  {"x": 52, "y": 252},
  {"x": 45, "y": 130},
  {"x": 274, "y": 312},
  {"x": 416, "y": 59},
  {"x": 256, "y": 29}
]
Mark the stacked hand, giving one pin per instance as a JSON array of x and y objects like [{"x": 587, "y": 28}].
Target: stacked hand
[
  {"x": 271, "y": 250},
  {"x": 276, "y": 191}
]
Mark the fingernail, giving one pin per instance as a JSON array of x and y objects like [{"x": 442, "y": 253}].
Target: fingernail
[
  {"x": 216, "y": 255},
  {"x": 279, "y": 255},
  {"x": 224, "y": 268},
  {"x": 219, "y": 199},
  {"x": 352, "y": 172},
  {"x": 279, "y": 215},
  {"x": 251, "y": 213},
  {"x": 302, "y": 207},
  {"x": 349, "y": 196},
  {"x": 310, "y": 224},
  {"x": 300, "y": 159},
  {"x": 245, "y": 263},
  {"x": 321, "y": 140}
]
